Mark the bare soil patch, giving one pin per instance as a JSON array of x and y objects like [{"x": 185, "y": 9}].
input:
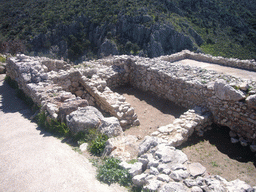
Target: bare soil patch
[
  {"x": 152, "y": 111},
  {"x": 214, "y": 150}
]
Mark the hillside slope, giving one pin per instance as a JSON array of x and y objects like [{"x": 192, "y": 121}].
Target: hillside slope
[{"x": 82, "y": 29}]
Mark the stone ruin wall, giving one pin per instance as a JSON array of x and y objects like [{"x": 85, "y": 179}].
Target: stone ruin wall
[
  {"x": 231, "y": 62},
  {"x": 56, "y": 89},
  {"x": 187, "y": 86},
  {"x": 192, "y": 86}
]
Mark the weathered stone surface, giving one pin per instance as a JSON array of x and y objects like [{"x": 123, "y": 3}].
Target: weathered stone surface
[
  {"x": 147, "y": 143},
  {"x": 163, "y": 177},
  {"x": 173, "y": 186},
  {"x": 72, "y": 105},
  {"x": 196, "y": 189},
  {"x": 152, "y": 185},
  {"x": 83, "y": 119},
  {"x": 144, "y": 162},
  {"x": 170, "y": 155},
  {"x": 125, "y": 165},
  {"x": 226, "y": 92},
  {"x": 119, "y": 147},
  {"x": 136, "y": 169},
  {"x": 110, "y": 126},
  {"x": 251, "y": 101},
  {"x": 83, "y": 147},
  {"x": 196, "y": 169},
  {"x": 53, "y": 110},
  {"x": 190, "y": 182},
  {"x": 139, "y": 180},
  {"x": 213, "y": 185},
  {"x": 179, "y": 175},
  {"x": 178, "y": 166},
  {"x": 237, "y": 185},
  {"x": 153, "y": 171}
]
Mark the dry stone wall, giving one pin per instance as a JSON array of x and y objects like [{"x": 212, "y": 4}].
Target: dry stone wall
[
  {"x": 190, "y": 87},
  {"x": 53, "y": 84}
]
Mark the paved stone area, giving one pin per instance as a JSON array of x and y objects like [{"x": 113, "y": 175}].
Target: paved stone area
[
  {"x": 244, "y": 74},
  {"x": 33, "y": 160}
]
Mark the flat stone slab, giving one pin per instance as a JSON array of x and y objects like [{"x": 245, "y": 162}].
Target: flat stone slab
[{"x": 196, "y": 169}]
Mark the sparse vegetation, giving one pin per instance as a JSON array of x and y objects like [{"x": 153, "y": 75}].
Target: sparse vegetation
[
  {"x": 132, "y": 161},
  {"x": 2, "y": 59},
  {"x": 55, "y": 127},
  {"x": 214, "y": 164},
  {"x": 111, "y": 172}
]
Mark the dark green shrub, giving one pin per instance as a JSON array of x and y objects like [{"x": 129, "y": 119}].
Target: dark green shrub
[
  {"x": 55, "y": 127},
  {"x": 58, "y": 128},
  {"x": 97, "y": 145},
  {"x": 41, "y": 120},
  {"x": 111, "y": 172}
]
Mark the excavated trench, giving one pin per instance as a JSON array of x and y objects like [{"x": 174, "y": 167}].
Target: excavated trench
[
  {"x": 152, "y": 111},
  {"x": 214, "y": 150}
]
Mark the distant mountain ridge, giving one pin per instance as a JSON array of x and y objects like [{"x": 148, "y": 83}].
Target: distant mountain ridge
[{"x": 84, "y": 29}]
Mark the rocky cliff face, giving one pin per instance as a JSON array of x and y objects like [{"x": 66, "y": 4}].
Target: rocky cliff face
[{"x": 152, "y": 41}]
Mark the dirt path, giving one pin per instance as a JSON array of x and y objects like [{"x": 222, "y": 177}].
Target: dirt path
[
  {"x": 33, "y": 160},
  {"x": 244, "y": 74}
]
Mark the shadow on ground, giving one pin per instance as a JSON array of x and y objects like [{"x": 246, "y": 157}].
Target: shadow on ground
[
  {"x": 163, "y": 105},
  {"x": 9, "y": 103},
  {"x": 219, "y": 136}
]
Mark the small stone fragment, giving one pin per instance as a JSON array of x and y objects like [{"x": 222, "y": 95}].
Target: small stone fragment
[
  {"x": 163, "y": 177},
  {"x": 196, "y": 169},
  {"x": 139, "y": 180},
  {"x": 196, "y": 189}
]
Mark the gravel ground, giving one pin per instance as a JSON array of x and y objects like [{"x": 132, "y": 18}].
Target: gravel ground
[{"x": 33, "y": 160}]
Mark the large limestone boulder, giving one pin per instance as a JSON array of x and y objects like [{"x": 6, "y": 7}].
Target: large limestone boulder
[
  {"x": 122, "y": 147},
  {"x": 110, "y": 126},
  {"x": 168, "y": 154},
  {"x": 84, "y": 118},
  {"x": 147, "y": 143},
  {"x": 251, "y": 101},
  {"x": 226, "y": 92},
  {"x": 70, "y": 106}
]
